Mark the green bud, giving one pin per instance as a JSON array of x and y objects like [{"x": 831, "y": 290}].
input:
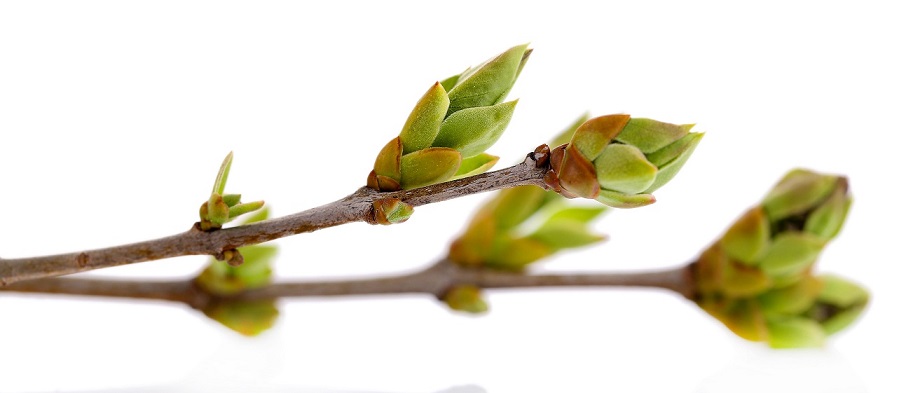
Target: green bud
[
  {"x": 475, "y": 165},
  {"x": 466, "y": 298},
  {"x": 628, "y": 158},
  {"x": 794, "y": 332},
  {"x": 218, "y": 211},
  {"x": 791, "y": 253},
  {"x": 798, "y": 192},
  {"x": 474, "y": 130},
  {"x": 464, "y": 113},
  {"x": 391, "y": 211},
  {"x": 625, "y": 169},
  {"x": 424, "y": 122},
  {"x": 749, "y": 237},
  {"x": 650, "y": 135},
  {"x": 489, "y": 83},
  {"x": 429, "y": 166},
  {"x": 246, "y": 317},
  {"x": 233, "y": 258}
]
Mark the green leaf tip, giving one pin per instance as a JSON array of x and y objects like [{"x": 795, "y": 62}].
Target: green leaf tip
[
  {"x": 488, "y": 83},
  {"x": 798, "y": 192},
  {"x": 222, "y": 174}
]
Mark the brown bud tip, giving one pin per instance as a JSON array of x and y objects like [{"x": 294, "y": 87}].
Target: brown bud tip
[
  {"x": 577, "y": 174},
  {"x": 541, "y": 155}
]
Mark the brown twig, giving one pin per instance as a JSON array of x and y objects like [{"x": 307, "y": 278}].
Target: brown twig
[
  {"x": 353, "y": 208},
  {"x": 436, "y": 280}
]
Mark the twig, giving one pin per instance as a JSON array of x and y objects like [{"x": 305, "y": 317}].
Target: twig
[
  {"x": 435, "y": 280},
  {"x": 353, "y": 208}
]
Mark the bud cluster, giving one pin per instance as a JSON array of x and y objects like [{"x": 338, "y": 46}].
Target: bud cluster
[
  {"x": 451, "y": 126},
  {"x": 619, "y": 160},
  {"x": 221, "y": 208},
  {"x": 757, "y": 278}
]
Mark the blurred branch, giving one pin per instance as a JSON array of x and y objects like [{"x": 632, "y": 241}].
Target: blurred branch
[
  {"x": 353, "y": 208},
  {"x": 434, "y": 280}
]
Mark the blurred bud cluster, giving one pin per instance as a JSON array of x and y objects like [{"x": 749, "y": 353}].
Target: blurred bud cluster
[{"x": 758, "y": 278}]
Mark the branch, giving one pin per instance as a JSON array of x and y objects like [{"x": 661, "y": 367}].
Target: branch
[
  {"x": 355, "y": 207},
  {"x": 435, "y": 280}
]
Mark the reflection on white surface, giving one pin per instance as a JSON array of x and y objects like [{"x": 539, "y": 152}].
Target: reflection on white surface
[{"x": 763, "y": 370}]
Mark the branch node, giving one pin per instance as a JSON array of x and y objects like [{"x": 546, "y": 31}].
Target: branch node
[{"x": 83, "y": 259}]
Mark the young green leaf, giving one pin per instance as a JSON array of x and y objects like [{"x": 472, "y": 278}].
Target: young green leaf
[
  {"x": 593, "y": 136},
  {"x": 223, "y": 174},
  {"x": 424, "y": 122},
  {"x": 474, "y": 130},
  {"x": 799, "y": 191},
  {"x": 623, "y": 201},
  {"x": 676, "y": 154},
  {"x": 244, "y": 208},
  {"x": 625, "y": 169},
  {"x": 650, "y": 135},
  {"x": 429, "y": 166},
  {"x": 748, "y": 238},
  {"x": 559, "y": 234},
  {"x": 475, "y": 165},
  {"x": 791, "y": 253},
  {"x": 795, "y": 333}
]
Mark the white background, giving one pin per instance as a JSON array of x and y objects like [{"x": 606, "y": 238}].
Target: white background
[{"x": 115, "y": 115}]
